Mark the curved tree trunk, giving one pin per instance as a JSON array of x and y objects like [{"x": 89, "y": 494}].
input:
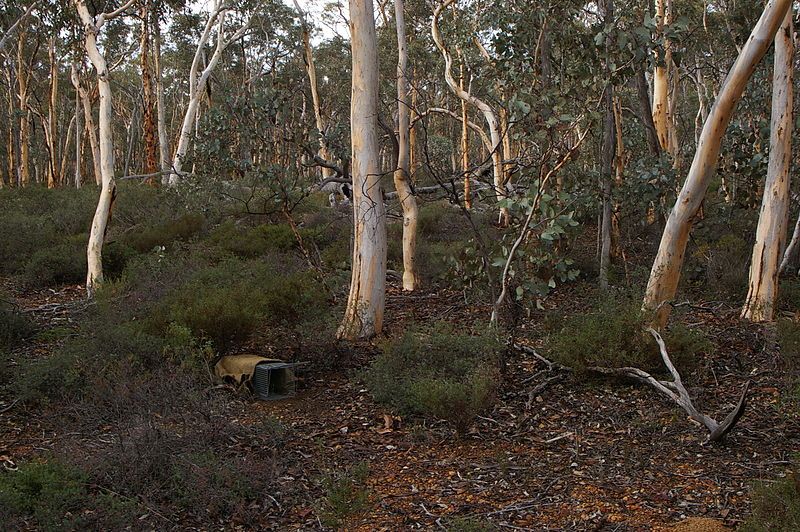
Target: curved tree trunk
[
  {"x": 365, "y": 305},
  {"x": 401, "y": 175},
  {"x": 311, "y": 70},
  {"x": 197, "y": 83},
  {"x": 772, "y": 222},
  {"x": 666, "y": 270},
  {"x": 94, "y": 251},
  {"x": 488, "y": 114}
]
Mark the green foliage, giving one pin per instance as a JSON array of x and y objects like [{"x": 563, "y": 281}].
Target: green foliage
[
  {"x": 225, "y": 303},
  {"x": 14, "y": 325},
  {"x": 776, "y": 506},
  {"x": 63, "y": 263},
  {"x": 253, "y": 242},
  {"x": 209, "y": 482},
  {"x": 436, "y": 371},
  {"x": 46, "y": 491},
  {"x": 612, "y": 336},
  {"x": 56, "y": 496},
  {"x": 145, "y": 237},
  {"x": 345, "y": 495}
]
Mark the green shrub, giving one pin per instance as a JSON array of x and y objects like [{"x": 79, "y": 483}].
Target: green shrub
[
  {"x": 63, "y": 263},
  {"x": 776, "y": 507},
  {"x": 14, "y": 325},
  {"x": 212, "y": 485},
  {"x": 613, "y": 336},
  {"x": 147, "y": 237},
  {"x": 438, "y": 372},
  {"x": 76, "y": 368},
  {"x": 345, "y": 495},
  {"x": 225, "y": 303},
  {"x": 46, "y": 491}
]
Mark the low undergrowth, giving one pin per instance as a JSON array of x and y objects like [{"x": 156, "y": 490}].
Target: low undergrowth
[
  {"x": 612, "y": 335},
  {"x": 439, "y": 372}
]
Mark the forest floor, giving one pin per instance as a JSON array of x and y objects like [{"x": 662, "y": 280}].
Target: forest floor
[{"x": 554, "y": 452}]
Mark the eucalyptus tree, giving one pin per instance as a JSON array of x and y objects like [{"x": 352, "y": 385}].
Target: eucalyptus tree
[
  {"x": 92, "y": 24},
  {"x": 665, "y": 273},
  {"x": 772, "y": 223},
  {"x": 366, "y": 302}
]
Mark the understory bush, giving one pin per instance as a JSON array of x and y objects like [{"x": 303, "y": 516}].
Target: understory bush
[
  {"x": 776, "y": 506},
  {"x": 437, "y": 371},
  {"x": 56, "y": 497},
  {"x": 14, "y": 325},
  {"x": 613, "y": 335},
  {"x": 345, "y": 495}
]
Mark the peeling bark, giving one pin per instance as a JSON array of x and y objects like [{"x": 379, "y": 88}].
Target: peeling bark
[
  {"x": 365, "y": 305},
  {"x": 666, "y": 270},
  {"x": 772, "y": 222}
]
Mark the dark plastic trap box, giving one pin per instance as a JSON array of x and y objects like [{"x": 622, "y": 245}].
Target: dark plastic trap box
[{"x": 274, "y": 380}]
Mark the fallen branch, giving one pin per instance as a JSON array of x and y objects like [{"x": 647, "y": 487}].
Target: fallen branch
[{"x": 674, "y": 389}]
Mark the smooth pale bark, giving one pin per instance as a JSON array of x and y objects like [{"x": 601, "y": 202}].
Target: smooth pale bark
[
  {"x": 94, "y": 251},
  {"x": 78, "y": 143},
  {"x": 666, "y": 270},
  {"x": 772, "y": 222},
  {"x": 151, "y": 147},
  {"x": 646, "y": 111},
  {"x": 661, "y": 114},
  {"x": 412, "y": 135},
  {"x": 163, "y": 139},
  {"x": 12, "y": 138},
  {"x": 53, "y": 176},
  {"x": 465, "y": 148},
  {"x": 365, "y": 305},
  {"x": 401, "y": 175},
  {"x": 197, "y": 83},
  {"x": 488, "y": 114},
  {"x": 91, "y": 130},
  {"x": 65, "y": 151},
  {"x": 792, "y": 253},
  {"x": 23, "y": 75}
]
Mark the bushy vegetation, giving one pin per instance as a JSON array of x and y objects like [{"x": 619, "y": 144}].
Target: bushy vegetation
[
  {"x": 776, "y": 506},
  {"x": 14, "y": 325},
  {"x": 612, "y": 335},
  {"x": 56, "y": 497},
  {"x": 437, "y": 371},
  {"x": 345, "y": 495}
]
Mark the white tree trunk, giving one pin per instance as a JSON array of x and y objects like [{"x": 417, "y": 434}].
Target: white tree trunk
[
  {"x": 773, "y": 220},
  {"x": 163, "y": 138},
  {"x": 666, "y": 270},
  {"x": 94, "y": 251},
  {"x": 197, "y": 84},
  {"x": 365, "y": 305},
  {"x": 401, "y": 175},
  {"x": 488, "y": 114},
  {"x": 661, "y": 110}
]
